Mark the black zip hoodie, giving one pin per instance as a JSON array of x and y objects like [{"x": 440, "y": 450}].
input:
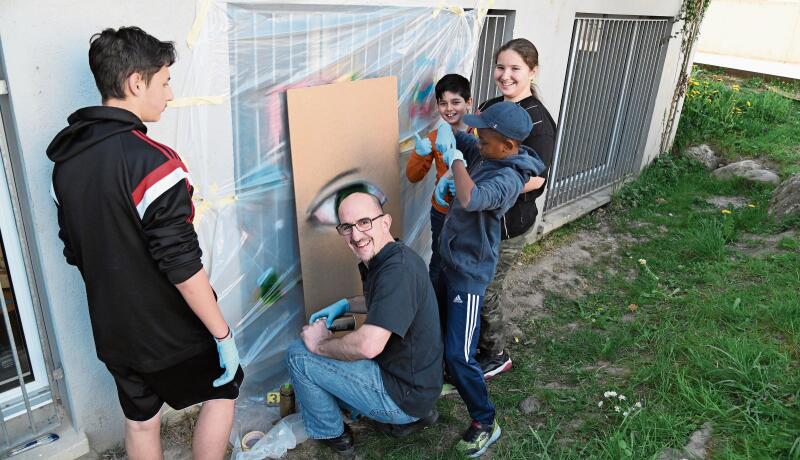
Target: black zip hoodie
[{"x": 125, "y": 216}]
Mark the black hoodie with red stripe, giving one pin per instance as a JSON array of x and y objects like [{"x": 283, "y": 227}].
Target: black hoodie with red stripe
[{"x": 125, "y": 216}]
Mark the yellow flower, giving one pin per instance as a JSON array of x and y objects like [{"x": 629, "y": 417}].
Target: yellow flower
[
  {"x": 695, "y": 83},
  {"x": 735, "y": 88},
  {"x": 695, "y": 92},
  {"x": 726, "y": 211},
  {"x": 749, "y": 104},
  {"x": 751, "y": 205}
]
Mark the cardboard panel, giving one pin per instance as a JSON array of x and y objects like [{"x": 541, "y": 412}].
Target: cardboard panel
[{"x": 341, "y": 134}]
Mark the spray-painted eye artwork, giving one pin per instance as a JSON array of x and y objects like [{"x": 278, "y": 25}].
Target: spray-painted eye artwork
[{"x": 337, "y": 144}]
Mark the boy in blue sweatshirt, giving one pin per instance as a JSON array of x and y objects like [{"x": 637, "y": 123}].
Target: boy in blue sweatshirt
[{"x": 489, "y": 173}]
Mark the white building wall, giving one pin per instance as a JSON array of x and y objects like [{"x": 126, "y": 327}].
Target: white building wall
[
  {"x": 45, "y": 45},
  {"x": 760, "y": 36}
]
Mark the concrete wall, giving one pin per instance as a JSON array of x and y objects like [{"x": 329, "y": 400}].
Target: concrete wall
[
  {"x": 760, "y": 36},
  {"x": 767, "y": 30},
  {"x": 45, "y": 45}
]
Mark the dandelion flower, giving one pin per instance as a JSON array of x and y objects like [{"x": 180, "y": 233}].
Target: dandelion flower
[
  {"x": 642, "y": 262},
  {"x": 726, "y": 211},
  {"x": 617, "y": 409},
  {"x": 735, "y": 88}
]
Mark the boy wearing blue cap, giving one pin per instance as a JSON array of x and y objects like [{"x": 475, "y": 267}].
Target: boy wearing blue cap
[{"x": 489, "y": 173}]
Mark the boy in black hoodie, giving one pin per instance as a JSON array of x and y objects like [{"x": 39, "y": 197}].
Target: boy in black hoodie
[
  {"x": 125, "y": 214},
  {"x": 469, "y": 247}
]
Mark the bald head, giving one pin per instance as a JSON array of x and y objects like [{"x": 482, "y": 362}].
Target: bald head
[
  {"x": 360, "y": 200},
  {"x": 367, "y": 239}
]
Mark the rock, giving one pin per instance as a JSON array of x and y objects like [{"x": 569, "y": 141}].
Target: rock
[
  {"x": 786, "y": 198},
  {"x": 724, "y": 202},
  {"x": 696, "y": 449},
  {"x": 530, "y": 405},
  {"x": 703, "y": 155},
  {"x": 734, "y": 169},
  {"x": 762, "y": 175},
  {"x": 747, "y": 169}
]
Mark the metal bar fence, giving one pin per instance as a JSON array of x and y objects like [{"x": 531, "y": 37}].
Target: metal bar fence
[{"x": 612, "y": 76}]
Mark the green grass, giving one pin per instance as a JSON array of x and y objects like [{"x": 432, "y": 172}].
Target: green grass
[
  {"x": 715, "y": 338},
  {"x": 694, "y": 329},
  {"x": 742, "y": 120}
]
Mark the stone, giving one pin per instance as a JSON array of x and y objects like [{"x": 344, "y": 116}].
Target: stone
[
  {"x": 530, "y": 405},
  {"x": 703, "y": 155},
  {"x": 761, "y": 175},
  {"x": 786, "y": 198},
  {"x": 696, "y": 449},
  {"x": 746, "y": 169},
  {"x": 725, "y": 202},
  {"x": 733, "y": 169}
]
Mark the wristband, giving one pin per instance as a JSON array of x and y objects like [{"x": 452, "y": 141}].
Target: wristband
[{"x": 228, "y": 334}]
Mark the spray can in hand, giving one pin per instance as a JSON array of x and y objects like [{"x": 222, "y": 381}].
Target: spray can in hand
[{"x": 343, "y": 323}]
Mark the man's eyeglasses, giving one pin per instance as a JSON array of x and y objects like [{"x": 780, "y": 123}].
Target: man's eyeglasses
[{"x": 362, "y": 225}]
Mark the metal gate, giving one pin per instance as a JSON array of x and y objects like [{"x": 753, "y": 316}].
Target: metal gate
[
  {"x": 612, "y": 78},
  {"x": 498, "y": 28},
  {"x": 27, "y": 388}
]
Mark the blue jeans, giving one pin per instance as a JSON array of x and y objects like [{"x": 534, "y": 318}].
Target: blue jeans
[
  {"x": 323, "y": 385},
  {"x": 435, "y": 267}
]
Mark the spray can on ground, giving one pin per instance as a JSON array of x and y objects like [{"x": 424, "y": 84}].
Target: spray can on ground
[{"x": 287, "y": 399}]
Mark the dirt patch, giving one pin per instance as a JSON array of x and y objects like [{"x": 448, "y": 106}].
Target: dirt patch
[
  {"x": 557, "y": 270},
  {"x": 604, "y": 367},
  {"x": 761, "y": 245}
]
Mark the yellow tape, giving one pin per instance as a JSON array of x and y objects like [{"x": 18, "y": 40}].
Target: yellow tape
[
  {"x": 455, "y": 9},
  {"x": 196, "y": 100},
  {"x": 202, "y": 205},
  {"x": 199, "y": 21}
]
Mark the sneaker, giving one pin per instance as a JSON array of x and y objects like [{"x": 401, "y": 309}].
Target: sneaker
[
  {"x": 447, "y": 389},
  {"x": 495, "y": 365},
  {"x": 343, "y": 444},
  {"x": 402, "y": 431},
  {"x": 478, "y": 438}
]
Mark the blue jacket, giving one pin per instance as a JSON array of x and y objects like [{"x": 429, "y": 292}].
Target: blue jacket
[{"x": 470, "y": 239}]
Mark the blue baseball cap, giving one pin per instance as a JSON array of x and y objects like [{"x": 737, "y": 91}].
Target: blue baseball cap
[{"x": 507, "y": 118}]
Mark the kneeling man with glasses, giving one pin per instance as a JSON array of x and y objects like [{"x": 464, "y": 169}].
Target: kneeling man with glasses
[{"x": 389, "y": 369}]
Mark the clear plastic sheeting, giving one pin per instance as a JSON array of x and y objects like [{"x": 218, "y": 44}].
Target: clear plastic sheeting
[{"x": 232, "y": 132}]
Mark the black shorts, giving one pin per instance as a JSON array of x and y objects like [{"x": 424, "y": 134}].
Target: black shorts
[{"x": 141, "y": 394}]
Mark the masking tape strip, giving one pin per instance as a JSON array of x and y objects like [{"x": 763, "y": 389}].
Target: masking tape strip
[
  {"x": 199, "y": 21},
  {"x": 455, "y": 9},
  {"x": 196, "y": 100}
]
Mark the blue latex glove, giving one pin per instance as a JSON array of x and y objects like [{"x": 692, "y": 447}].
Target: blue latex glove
[
  {"x": 451, "y": 187},
  {"x": 452, "y": 155},
  {"x": 228, "y": 359},
  {"x": 422, "y": 146},
  {"x": 442, "y": 189},
  {"x": 331, "y": 312},
  {"x": 445, "y": 140}
]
